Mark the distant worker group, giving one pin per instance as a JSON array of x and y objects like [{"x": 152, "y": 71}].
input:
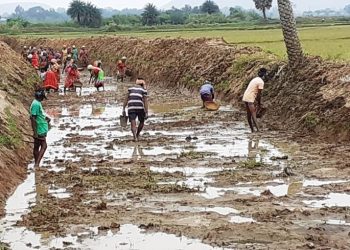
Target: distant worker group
[{"x": 51, "y": 64}]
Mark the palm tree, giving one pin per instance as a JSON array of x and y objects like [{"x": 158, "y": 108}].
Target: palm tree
[
  {"x": 76, "y": 11},
  {"x": 210, "y": 7},
  {"x": 150, "y": 15},
  {"x": 263, "y": 5},
  {"x": 85, "y": 14},
  {"x": 289, "y": 27}
]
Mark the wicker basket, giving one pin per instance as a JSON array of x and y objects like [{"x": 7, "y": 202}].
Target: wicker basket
[{"x": 211, "y": 106}]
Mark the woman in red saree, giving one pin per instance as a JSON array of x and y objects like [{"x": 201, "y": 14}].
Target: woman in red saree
[
  {"x": 72, "y": 76},
  {"x": 55, "y": 67},
  {"x": 35, "y": 60},
  {"x": 50, "y": 81}
]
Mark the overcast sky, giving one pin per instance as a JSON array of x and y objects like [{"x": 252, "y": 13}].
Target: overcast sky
[{"x": 120, "y": 4}]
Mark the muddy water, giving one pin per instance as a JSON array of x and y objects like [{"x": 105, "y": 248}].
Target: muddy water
[{"x": 194, "y": 180}]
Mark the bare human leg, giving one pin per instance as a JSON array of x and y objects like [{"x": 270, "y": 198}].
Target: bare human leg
[
  {"x": 139, "y": 129},
  {"x": 133, "y": 129},
  {"x": 36, "y": 152},
  {"x": 249, "y": 117},
  {"x": 43, "y": 147},
  {"x": 252, "y": 109}
]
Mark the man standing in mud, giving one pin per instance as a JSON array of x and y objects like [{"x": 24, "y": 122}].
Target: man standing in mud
[
  {"x": 252, "y": 98},
  {"x": 137, "y": 103},
  {"x": 40, "y": 125}
]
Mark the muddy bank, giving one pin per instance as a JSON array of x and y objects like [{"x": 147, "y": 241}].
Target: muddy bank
[
  {"x": 313, "y": 98},
  {"x": 17, "y": 79}
]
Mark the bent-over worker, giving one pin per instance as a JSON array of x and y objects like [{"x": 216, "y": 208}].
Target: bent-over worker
[
  {"x": 252, "y": 98},
  {"x": 207, "y": 92}
]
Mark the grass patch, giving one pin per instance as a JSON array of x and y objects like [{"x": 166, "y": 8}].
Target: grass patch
[
  {"x": 195, "y": 155},
  {"x": 251, "y": 164},
  {"x": 13, "y": 137},
  {"x": 223, "y": 86},
  {"x": 311, "y": 120}
]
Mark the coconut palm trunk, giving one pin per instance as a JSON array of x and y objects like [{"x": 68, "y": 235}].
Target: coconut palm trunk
[{"x": 294, "y": 50}]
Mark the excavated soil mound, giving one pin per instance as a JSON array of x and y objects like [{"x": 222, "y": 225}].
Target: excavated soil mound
[
  {"x": 17, "y": 79},
  {"x": 313, "y": 98}
]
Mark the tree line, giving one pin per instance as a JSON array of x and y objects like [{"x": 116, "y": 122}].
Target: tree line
[{"x": 87, "y": 14}]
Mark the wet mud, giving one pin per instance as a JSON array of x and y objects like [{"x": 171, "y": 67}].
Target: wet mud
[{"x": 196, "y": 180}]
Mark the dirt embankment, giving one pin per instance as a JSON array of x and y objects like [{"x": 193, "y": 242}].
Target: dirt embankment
[
  {"x": 17, "y": 79},
  {"x": 314, "y": 98}
]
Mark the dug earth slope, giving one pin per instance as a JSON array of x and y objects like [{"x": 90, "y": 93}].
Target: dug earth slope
[
  {"x": 313, "y": 98},
  {"x": 17, "y": 79}
]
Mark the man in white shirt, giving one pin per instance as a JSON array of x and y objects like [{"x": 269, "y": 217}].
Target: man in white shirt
[{"x": 252, "y": 98}]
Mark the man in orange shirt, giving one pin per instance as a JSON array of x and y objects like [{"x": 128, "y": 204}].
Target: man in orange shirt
[{"x": 252, "y": 98}]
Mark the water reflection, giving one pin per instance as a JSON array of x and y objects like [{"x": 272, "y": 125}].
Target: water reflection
[
  {"x": 40, "y": 189},
  {"x": 253, "y": 149},
  {"x": 138, "y": 153}
]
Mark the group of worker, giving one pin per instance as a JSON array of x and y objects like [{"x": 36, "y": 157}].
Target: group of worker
[
  {"x": 50, "y": 63},
  {"x": 136, "y": 101}
]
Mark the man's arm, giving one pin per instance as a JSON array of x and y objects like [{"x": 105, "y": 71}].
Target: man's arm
[
  {"x": 258, "y": 97},
  {"x": 145, "y": 99},
  {"x": 34, "y": 125}
]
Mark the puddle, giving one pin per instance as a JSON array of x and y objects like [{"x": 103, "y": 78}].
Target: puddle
[
  {"x": 60, "y": 193},
  {"x": 240, "y": 219},
  {"x": 338, "y": 222},
  {"x": 279, "y": 190},
  {"x": 132, "y": 237},
  {"x": 296, "y": 187},
  {"x": 128, "y": 237},
  {"x": 214, "y": 192},
  {"x": 172, "y": 107},
  {"x": 19, "y": 202},
  {"x": 331, "y": 200}
]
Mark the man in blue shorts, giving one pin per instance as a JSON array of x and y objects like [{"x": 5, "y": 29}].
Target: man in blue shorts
[{"x": 137, "y": 103}]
